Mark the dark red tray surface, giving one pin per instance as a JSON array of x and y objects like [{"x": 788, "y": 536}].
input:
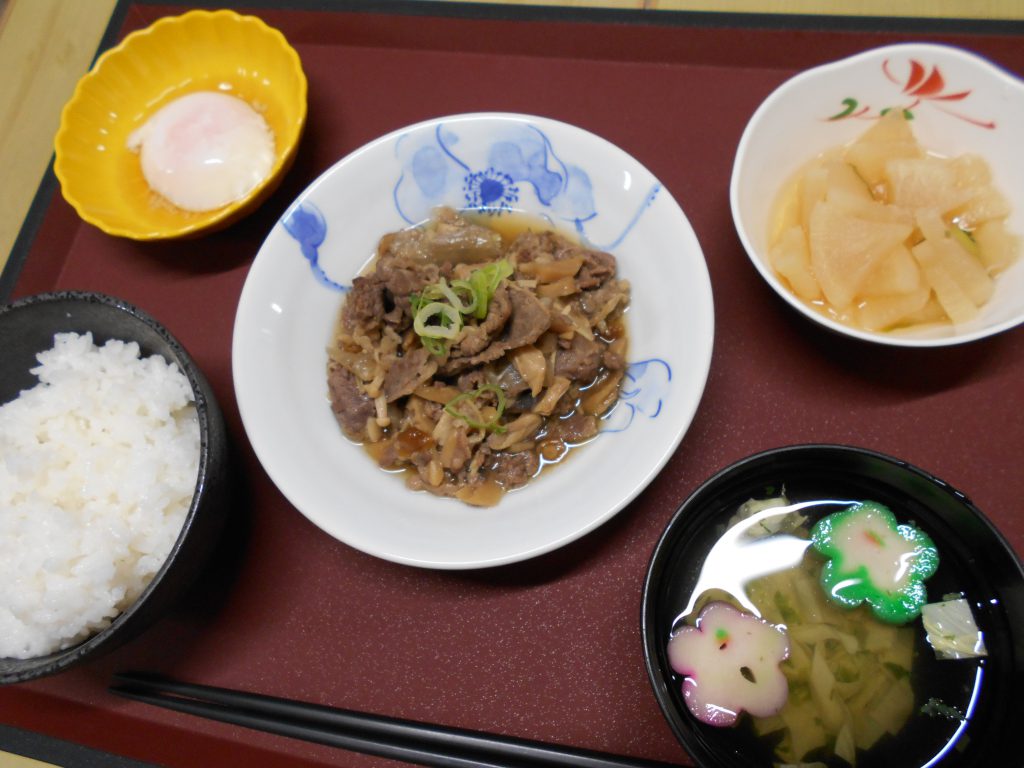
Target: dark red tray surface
[{"x": 547, "y": 649}]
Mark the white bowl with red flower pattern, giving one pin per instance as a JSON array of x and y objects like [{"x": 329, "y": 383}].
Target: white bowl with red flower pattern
[{"x": 960, "y": 103}]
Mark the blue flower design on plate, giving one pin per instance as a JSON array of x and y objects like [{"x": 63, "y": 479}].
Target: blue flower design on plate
[
  {"x": 306, "y": 224},
  {"x": 645, "y": 387},
  {"x": 491, "y": 190},
  {"x": 440, "y": 167},
  {"x": 493, "y": 178}
]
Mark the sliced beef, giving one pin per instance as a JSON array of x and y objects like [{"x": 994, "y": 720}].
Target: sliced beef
[
  {"x": 479, "y": 336},
  {"x": 597, "y": 267},
  {"x": 593, "y": 301},
  {"x": 364, "y": 305},
  {"x": 613, "y": 361},
  {"x": 575, "y": 428},
  {"x": 400, "y": 281},
  {"x": 471, "y": 380},
  {"x": 529, "y": 319},
  {"x": 406, "y": 373},
  {"x": 352, "y": 407},
  {"x": 513, "y": 470},
  {"x": 383, "y": 295},
  {"x": 533, "y": 246},
  {"x": 581, "y": 360}
]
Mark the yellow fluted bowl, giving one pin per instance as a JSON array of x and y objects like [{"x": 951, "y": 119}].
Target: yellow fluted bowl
[{"x": 197, "y": 51}]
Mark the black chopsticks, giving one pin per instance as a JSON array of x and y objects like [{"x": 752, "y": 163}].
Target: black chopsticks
[{"x": 406, "y": 740}]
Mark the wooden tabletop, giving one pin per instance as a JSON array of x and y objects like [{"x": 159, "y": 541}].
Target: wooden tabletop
[{"x": 47, "y": 45}]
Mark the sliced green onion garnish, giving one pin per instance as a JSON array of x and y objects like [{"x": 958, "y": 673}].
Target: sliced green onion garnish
[
  {"x": 464, "y": 286},
  {"x": 485, "y": 281},
  {"x": 448, "y": 325},
  {"x": 430, "y": 293},
  {"x": 451, "y": 407},
  {"x": 416, "y": 303},
  {"x": 450, "y": 293},
  {"x": 438, "y": 309},
  {"x": 436, "y": 347}
]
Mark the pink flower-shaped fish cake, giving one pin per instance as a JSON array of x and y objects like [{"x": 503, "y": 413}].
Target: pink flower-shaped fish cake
[{"x": 730, "y": 660}]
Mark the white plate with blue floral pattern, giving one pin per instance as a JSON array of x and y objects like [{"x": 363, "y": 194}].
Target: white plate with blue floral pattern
[{"x": 498, "y": 162}]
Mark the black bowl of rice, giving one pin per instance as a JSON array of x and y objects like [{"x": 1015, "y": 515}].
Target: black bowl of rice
[{"x": 113, "y": 464}]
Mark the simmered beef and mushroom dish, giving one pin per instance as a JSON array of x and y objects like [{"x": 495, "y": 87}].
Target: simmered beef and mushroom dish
[{"x": 471, "y": 357}]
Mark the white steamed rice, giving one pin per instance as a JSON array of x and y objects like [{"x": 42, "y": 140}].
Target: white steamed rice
[{"x": 98, "y": 465}]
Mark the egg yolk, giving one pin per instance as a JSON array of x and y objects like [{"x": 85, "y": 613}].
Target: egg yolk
[{"x": 204, "y": 150}]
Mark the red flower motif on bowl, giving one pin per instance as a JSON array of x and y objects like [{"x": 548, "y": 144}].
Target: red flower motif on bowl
[{"x": 922, "y": 84}]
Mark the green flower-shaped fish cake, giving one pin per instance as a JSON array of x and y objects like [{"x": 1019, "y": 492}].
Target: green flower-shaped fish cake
[{"x": 872, "y": 558}]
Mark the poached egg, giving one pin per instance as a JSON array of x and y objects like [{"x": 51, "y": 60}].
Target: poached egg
[{"x": 204, "y": 150}]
